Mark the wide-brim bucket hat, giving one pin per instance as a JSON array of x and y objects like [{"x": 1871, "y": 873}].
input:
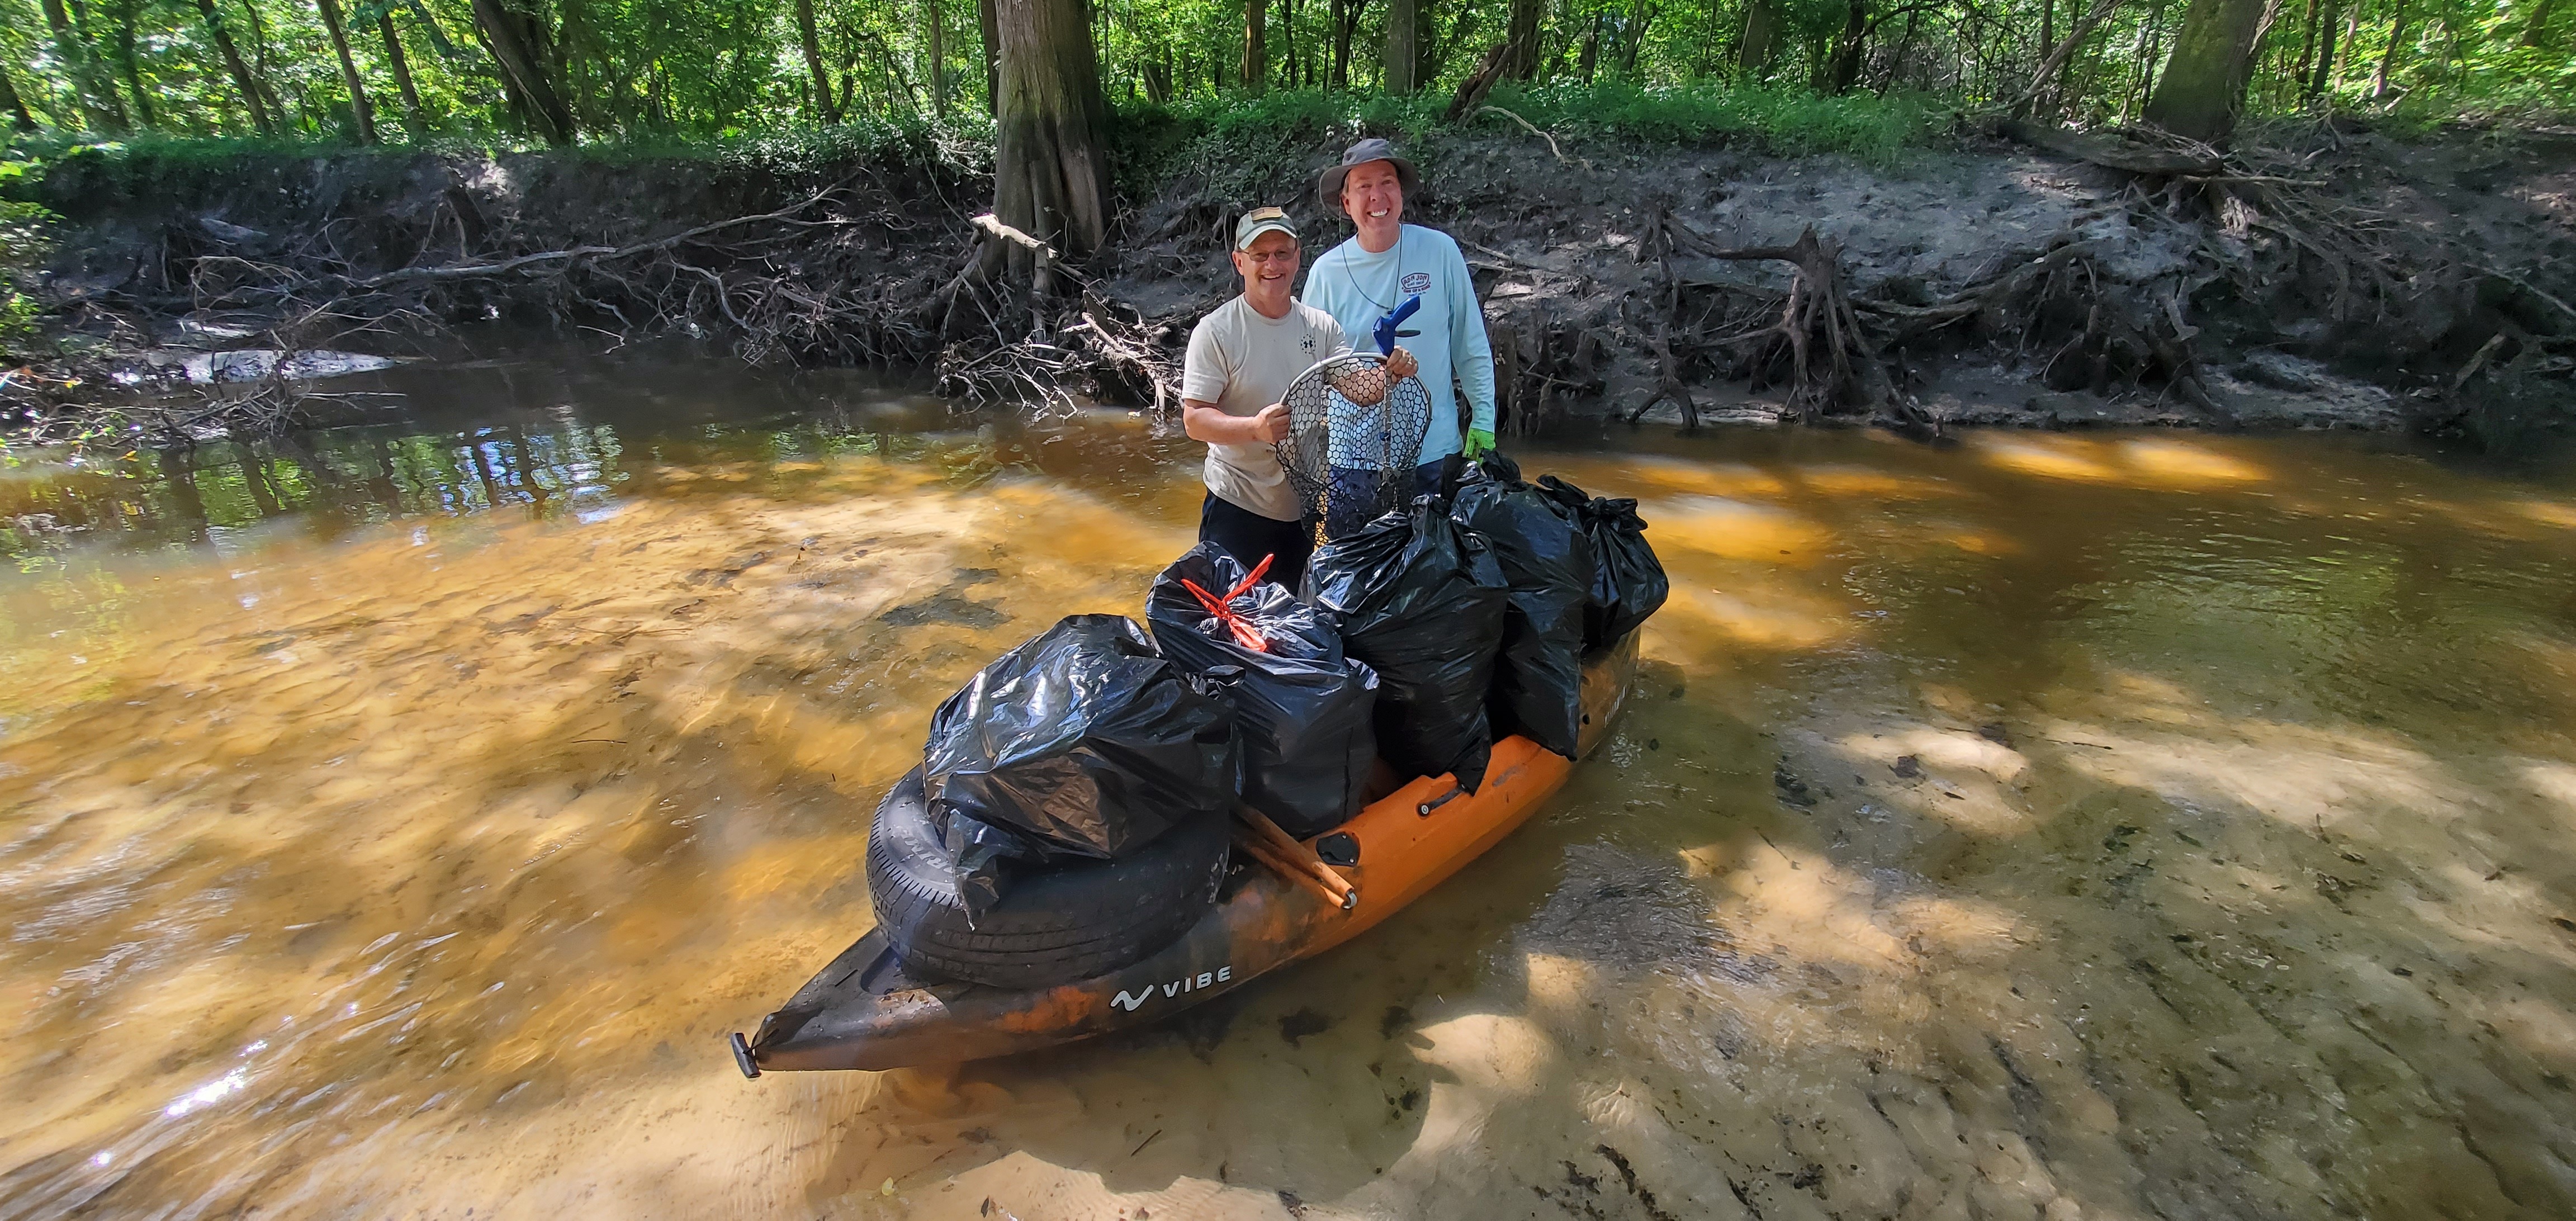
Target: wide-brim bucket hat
[{"x": 1328, "y": 187}]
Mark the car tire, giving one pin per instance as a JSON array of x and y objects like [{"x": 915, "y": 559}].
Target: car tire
[{"x": 1052, "y": 926}]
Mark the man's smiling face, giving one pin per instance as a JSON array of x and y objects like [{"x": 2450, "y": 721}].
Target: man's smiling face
[
  {"x": 1373, "y": 195},
  {"x": 1271, "y": 264}
]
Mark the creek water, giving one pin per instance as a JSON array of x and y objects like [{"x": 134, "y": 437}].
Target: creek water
[{"x": 394, "y": 819}]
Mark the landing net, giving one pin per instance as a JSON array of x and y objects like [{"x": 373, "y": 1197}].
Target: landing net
[{"x": 1353, "y": 440}]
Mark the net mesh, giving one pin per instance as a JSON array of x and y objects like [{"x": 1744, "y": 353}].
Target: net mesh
[{"x": 1353, "y": 440}]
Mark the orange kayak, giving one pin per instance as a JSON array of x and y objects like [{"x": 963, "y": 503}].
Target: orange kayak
[{"x": 863, "y": 1012}]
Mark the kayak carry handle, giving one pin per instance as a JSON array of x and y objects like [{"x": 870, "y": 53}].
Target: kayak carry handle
[{"x": 1455, "y": 790}]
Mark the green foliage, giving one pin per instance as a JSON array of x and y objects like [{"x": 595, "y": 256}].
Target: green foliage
[
  {"x": 657, "y": 77},
  {"x": 1783, "y": 120},
  {"x": 1242, "y": 147},
  {"x": 1252, "y": 147},
  {"x": 25, "y": 239}
]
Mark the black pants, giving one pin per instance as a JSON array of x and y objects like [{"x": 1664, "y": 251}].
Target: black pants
[
  {"x": 1248, "y": 536},
  {"x": 1438, "y": 477}
]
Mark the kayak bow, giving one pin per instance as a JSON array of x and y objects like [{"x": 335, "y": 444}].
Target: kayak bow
[{"x": 864, "y": 1012}]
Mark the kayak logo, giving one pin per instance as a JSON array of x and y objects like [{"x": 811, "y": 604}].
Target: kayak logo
[{"x": 1132, "y": 1001}]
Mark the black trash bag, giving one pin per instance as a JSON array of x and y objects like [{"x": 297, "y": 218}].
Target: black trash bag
[
  {"x": 1083, "y": 742},
  {"x": 1544, "y": 553},
  {"x": 1301, "y": 706},
  {"x": 1628, "y": 582},
  {"x": 1421, "y": 601}
]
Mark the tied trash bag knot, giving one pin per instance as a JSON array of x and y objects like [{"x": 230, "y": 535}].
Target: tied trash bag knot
[
  {"x": 1303, "y": 707},
  {"x": 1243, "y": 630},
  {"x": 1628, "y": 582}
]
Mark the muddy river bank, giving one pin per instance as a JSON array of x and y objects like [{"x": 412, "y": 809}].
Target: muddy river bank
[{"x": 393, "y": 820}]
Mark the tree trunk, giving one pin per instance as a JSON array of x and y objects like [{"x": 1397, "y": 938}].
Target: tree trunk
[
  {"x": 364, "y": 114},
  {"x": 1761, "y": 38},
  {"x": 819, "y": 80},
  {"x": 1521, "y": 62},
  {"x": 19, "y": 115},
  {"x": 1640, "y": 15},
  {"x": 1253, "y": 73},
  {"x": 1288, "y": 40},
  {"x": 992, "y": 56},
  {"x": 2041, "y": 93},
  {"x": 242, "y": 79},
  {"x": 2535, "y": 29},
  {"x": 517, "y": 41},
  {"x": 1403, "y": 46},
  {"x": 1158, "y": 78},
  {"x": 1904, "y": 48},
  {"x": 1338, "y": 76},
  {"x": 2324, "y": 74},
  {"x": 1050, "y": 178},
  {"x": 2388, "y": 56},
  {"x": 2146, "y": 69},
  {"x": 1844, "y": 69},
  {"x": 73, "y": 51},
  {"x": 1346, "y": 26},
  {"x": 259, "y": 73},
  {"x": 938, "y": 57},
  {"x": 1432, "y": 48},
  {"x": 127, "y": 64},
  {"x": 2307, "y": 45},
  {"x": 415, "y": 118},
  {"x": 2213, "y": 56}
]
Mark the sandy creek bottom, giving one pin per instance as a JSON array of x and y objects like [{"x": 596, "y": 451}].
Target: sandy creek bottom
[{"x": 393, "y": 821}]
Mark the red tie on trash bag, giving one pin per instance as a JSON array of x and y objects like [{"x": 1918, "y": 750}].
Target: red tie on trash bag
[{"x": 1244, "y": 633}]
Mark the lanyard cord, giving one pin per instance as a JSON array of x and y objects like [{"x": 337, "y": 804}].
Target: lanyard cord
[{"x": 1382, "y": 308}]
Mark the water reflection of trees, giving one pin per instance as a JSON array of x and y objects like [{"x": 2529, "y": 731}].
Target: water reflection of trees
[{"x": 590, "y": 440}]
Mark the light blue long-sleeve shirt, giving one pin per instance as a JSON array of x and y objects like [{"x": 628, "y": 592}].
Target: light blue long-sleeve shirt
[{"x": 1358, "y": 288}]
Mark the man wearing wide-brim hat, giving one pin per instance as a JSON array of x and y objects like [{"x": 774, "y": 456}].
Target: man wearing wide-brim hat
[
  {"x": 1242, "y": 358},
  {"x": 1366, "y": 277}
]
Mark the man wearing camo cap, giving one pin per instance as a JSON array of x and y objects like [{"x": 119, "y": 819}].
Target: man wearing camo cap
[{"x": 1241, "y": 359}]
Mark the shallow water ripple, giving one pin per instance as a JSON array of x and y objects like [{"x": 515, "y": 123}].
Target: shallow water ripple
[{"x": 393, "y": 821}]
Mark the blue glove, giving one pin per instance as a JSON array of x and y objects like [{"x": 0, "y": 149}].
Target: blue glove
[{"x": 1386, "y": 332}]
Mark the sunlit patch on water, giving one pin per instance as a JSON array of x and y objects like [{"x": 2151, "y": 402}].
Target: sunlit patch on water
[{"x": 2051, "y": 826}]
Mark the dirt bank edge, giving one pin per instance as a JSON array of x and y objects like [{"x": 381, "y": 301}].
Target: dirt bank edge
[{"x": 2476, "y": 231}]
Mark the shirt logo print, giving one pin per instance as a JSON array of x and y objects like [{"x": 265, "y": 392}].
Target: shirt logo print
[
  {"x": 1308, "y": 343},
  {"x": 1417, "y": 282}
]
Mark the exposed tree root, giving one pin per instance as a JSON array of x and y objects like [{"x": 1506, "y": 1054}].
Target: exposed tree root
[{"x": 1816, "y": 336}]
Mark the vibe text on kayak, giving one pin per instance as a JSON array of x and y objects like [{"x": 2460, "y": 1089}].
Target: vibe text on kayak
[{"x": 1131, "y": 1001}]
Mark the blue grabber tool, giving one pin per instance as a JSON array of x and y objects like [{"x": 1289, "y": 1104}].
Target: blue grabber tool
[{"x": 1386, "y": 332}]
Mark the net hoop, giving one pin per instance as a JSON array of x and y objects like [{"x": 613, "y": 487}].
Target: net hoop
[{"x": 1346, "y": 462}]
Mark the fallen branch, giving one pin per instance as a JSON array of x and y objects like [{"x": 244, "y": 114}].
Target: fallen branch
[
  {"x": 1533, "y": 130},
  {"x": 461, "y": 271},
  {"x": 2136, "y": 158},
  {"x": 1471, "y": 91},
  {"x": 992, "y": 224}
]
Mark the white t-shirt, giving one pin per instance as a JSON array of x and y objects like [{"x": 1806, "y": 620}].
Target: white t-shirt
[{"x": 1243, "y": 362}]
